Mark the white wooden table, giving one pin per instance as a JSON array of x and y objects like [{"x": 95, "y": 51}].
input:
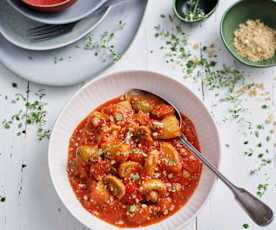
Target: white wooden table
[{"x": 31, "y": 202}]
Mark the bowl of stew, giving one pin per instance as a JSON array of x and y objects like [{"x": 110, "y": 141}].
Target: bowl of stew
[{"x": 115, "y": 161}]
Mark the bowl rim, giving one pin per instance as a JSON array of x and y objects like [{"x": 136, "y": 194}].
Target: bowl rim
[
  {"x": 197, "y": 20},
  {"x": 28, "y": 2},
  {"x": 110, "y": 75},
  {"x": 237, "y": 57}
]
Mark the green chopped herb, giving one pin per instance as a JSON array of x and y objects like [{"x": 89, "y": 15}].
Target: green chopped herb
[
  {"x": 171, "y": 162},
  {"x": 227, "y": 145},
  {"x": 260, "y": 127},
  {"x": 259, "y": 145},
  {"x": 14, "y": 85},
  {"x": 79, "y": 154},
  {"x": 119, "y": 117},
  {"x": 245, "y": 225},
  {"x": 135, "y": 177},
  {"x": 166, "y": 212},
  {"x": 268, "y": 138},
  {"x": 245, "y": 143},
  {"x": 30, "y": 57},
  {"x": 260, "y": 155},
  {"x": 3, "y": 199},
  {"x": 162, "y": 16},
  {"x": 111, "y": 118},
  {"x": 264, "y": 106},
  {"x": 132, "y": 208}
]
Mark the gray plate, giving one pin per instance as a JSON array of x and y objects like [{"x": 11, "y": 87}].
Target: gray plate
[
  {"x": 14, "y": 26},
  {"x": 79, "y": 10},
  {"x": 78, "y": 64}
]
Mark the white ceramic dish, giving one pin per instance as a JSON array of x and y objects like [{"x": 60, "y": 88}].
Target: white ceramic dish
[
  {"x": 78, "y": 11},
  {"x": 78, "y": 64},
  {"x": 99, "y": 91},
  {"x": 14, "y": 27}
]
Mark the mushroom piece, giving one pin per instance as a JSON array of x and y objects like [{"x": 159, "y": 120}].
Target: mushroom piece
[
  {"x": 151, "y": 162},
  {"x": 127, "y": 168},
  {"x": 86, "y": 152},
  {"x": 153, "y": 189},
  {"x": 115, "y": 185}
]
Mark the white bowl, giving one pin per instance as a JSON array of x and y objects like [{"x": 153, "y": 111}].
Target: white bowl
[{"x": 101, "y": 90}]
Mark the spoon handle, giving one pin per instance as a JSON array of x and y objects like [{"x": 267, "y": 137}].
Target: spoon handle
[{"x": 258, "y": 211}]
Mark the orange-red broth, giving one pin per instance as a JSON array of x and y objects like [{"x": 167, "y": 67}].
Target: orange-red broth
[{"x": 132, "y": 208}]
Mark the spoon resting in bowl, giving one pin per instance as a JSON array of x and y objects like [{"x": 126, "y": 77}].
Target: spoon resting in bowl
[{"x": 258, "y": 211}]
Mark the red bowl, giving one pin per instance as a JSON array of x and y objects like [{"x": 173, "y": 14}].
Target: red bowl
[{"x": 49, "y": 5}]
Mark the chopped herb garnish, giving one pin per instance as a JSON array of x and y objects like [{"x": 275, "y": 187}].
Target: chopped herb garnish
[
  {"x": 171, "y": 162},
  {"x": 3, "y": 199},
  {"x": 135, "y": 177},
  {"x": 79, "y": 154},
  {"x": 245, "y": 143},
  {"x": 264, "y": 106},
  {"x": 166, "y": 212},
  {"x": 245, "y": 225},
  {"x": 14, "y": 85},
  {"x": 119, "y": 117},
  {"x": 132, "y": 208},
  {"x": 111, "y": 118}
]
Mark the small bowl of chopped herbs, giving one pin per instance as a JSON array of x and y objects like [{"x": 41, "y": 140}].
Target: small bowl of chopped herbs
[
  {"x": 248, "y": 30},
  {"x": 194, "y": 10}
]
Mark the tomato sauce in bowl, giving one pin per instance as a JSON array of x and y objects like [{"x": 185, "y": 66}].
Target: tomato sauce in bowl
[
  {"x": 49, "y": 5},
  {"x": 126, "y": 166}
]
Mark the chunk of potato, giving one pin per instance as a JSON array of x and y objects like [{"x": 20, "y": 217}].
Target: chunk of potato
[
  {"x": 86, "y": 152},
  {"x": 151, "y": 162},
  {"x": 142, "y": 104},
  {"x": 171, "y": 157},
  {"x": 115, "y": 185},
  {"x": 170, "y": 128},
  {"x": 123, "y": 107}
]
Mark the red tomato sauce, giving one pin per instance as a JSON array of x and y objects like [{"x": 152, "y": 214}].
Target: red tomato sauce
[
  {"x": 124, "y": 169},
  {"x": 46, "y": 2}
]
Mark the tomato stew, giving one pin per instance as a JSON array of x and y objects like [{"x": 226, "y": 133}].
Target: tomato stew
[{"x": 126, "y": 166}]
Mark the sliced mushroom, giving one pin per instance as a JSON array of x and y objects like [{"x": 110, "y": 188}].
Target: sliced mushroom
[
  {"x": 152, "y": 189},
  {"x": 171, "y": 157},
  {"x": 170, "y": 128},
  {"x": 86, "y": 152},
  {"x": 127, "y": 168},
  {"x": 151, "y": 162},
  {"x": 115, "y": 185}
]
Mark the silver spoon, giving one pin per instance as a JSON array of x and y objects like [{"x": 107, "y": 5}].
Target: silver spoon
[{"x": 258, "y": 211}]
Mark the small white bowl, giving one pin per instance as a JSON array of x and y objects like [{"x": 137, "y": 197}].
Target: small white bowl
[{"x": 101, "y": 90}]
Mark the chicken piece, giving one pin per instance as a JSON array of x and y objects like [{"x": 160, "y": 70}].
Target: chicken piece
[{"x": 171, "y": 157}]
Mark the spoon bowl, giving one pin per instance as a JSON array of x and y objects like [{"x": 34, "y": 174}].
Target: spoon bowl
[
  {"x": 181, "y": 8},
  {"x": 258, "y": 211}
]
